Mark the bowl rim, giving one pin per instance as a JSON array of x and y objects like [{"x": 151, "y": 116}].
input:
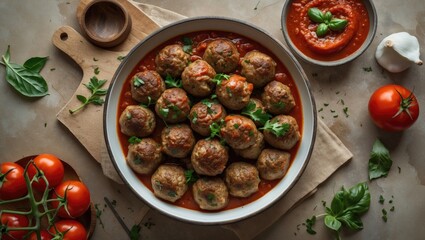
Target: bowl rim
[
  {"x": 373, "y": 19},
  {"x": 294, "y": 62}
]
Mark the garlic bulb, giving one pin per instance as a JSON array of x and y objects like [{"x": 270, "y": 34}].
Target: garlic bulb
[{"x": 398, "y": 51}]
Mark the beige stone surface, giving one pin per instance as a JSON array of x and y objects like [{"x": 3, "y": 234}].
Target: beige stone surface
[{"x": 30, "y": 127}]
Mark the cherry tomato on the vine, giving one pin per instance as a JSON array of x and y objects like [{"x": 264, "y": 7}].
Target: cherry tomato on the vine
[
  {"x": 12, "y": 181},
  {"x": 45, "y": 235},
  {"x": 11, "y": 220},
  {"x": 70, "y": 230},
  {"x": 77, "y": 198},
  {"x": 393, "y": 107},
  {"x": 52, "y": 168}
]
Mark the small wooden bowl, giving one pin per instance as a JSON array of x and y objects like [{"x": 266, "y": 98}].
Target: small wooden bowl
[{"x": 106, "y": 23}]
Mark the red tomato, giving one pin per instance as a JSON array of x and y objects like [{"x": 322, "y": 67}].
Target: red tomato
[
  {"x": 77, "y": 198},
  {"x": 393, "y": 108},
  {"x": 45, "y": 235},
  {"x": 52, "y": 168},
  {"x": 12, "y": 181},
  {"x": 13, "y": 221},
  {"x": 69, "y": 230}
]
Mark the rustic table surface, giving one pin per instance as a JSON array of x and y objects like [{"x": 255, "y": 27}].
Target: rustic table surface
[{"x": 29, "y": 127}]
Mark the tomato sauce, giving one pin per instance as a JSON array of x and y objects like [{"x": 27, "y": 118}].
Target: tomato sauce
[
  {"x": 335, "y": 44},
  {"x": 200, "y": 41}
]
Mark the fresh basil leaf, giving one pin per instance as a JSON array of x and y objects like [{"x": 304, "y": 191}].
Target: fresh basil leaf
[
  {"x": 358, "y": 200},
  {"x": 380, "y": 162},
  {"x": 322, "y": 29},
  {"x": 35, "y": 64},
  {"x": 135, "y": 232},
  {"x": 337, "y": 204},
  {"x": 351, "y": 220},
  {"x": 332, "y": 223},
  {"x": 28, "y": 83},
  {"x": 337, "y": 24},
  {"x": 315, "y": 15},
  {"x": 327, "y": 17}
]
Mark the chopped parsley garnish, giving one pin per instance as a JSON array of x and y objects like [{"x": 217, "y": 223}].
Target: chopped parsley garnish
[
  {"x": 134, "y": 140},
  {"x": 137, "y": 82},
  {"x": 187, "y": 47},
  {"x": 218, "y": 78},
  {"x": 191, "y": 176},
  {"x": 171, "y": 82},
  {"x": 278, "y": 129},
  {"x": 256, "y": 114}
]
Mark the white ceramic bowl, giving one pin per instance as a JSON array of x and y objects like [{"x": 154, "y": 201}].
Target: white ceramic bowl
[
  {"x": 370, "y": 7},
  {"x": 194, "y": 25}
]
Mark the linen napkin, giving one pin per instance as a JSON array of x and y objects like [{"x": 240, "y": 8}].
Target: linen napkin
[{"x": 328, "y": 155}]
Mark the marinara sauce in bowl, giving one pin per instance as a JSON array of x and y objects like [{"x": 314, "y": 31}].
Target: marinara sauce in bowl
[
  {"x": 329, "y": 32},
  {"x": 193, "y": 36}
]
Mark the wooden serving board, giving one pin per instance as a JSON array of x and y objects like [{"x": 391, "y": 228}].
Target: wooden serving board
[{"x": 87, "y": 124}]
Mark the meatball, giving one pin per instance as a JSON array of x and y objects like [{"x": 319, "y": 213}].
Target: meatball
[
  {"x": 173, "y": 105},
  {"x": 242, "y": 179},
  {"x": 277, "y": 98},
  {"x": 273, "y": 164},
  {"x": 290, "y": 137},
  {"x": 234, "y": 92},
  {"x": 197, "y": 78},
  {"x": 137, "y": 121},
  {"x": 254, "y": 106},
  {"x": 177, "y": 140},
  {"x": 171, "y": 60},
  {"x": 145, "y": 156},
  {"x": 169, "y": 182},
  {"x": 239, "y": 132},
  {"x": 222, "y": 55},
  {"x": 258, "y": 68},
  {"x": 253, "y": 151},
  {"x": 209, "y": 157},
  {"x": 210, "y": 193},
  {"x": 147, "y": 86},
  {"x": 205, "y": 113}
]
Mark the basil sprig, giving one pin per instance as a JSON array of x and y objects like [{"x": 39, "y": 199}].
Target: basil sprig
[
  {"x": 326, "y": 21},
  {"x": 346, "y": 208},
  {"x": 26, "y": 78}
]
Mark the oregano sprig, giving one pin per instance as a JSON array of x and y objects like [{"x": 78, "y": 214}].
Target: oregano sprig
[{"x": 95, "y": 86}]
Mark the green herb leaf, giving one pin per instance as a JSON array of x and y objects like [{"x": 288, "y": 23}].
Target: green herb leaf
[
  {"x": 96, "y": 92},
  {"x": 322, "y": 30},
  {"x": 135, "y": 232},
  {"x": 315, "y": 15},
  {"x": 191, "y": 176},
  {"x": 380, "y": 162},
  {"x": 332, "y": 223},
  {"x": 309, "y": 223},
  {"x": 215, "y": 129},
  {"x": 134, "y": 140},
  {"x": 327, "y": 17},
  {"x": 256, "y": 114},
  {"x": 35, "y": 64},
  {"x": 337, "y": 24},
  {"x": 278, "y": 129},
  {"x": 137, "y": 82},
  {"x": 164, "y": 112},
  {"x": 187, "y": 47},
  {"x": 27, "y": 82},
  {"x": 171, "y": 82},
  {"x": 218, "y": 78}
]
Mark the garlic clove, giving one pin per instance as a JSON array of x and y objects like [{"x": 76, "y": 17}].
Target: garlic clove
[{"x": 398, "y": 51}]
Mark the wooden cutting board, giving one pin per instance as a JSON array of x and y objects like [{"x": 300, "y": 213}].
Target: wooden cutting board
[{"x": 87, "y": 124}]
